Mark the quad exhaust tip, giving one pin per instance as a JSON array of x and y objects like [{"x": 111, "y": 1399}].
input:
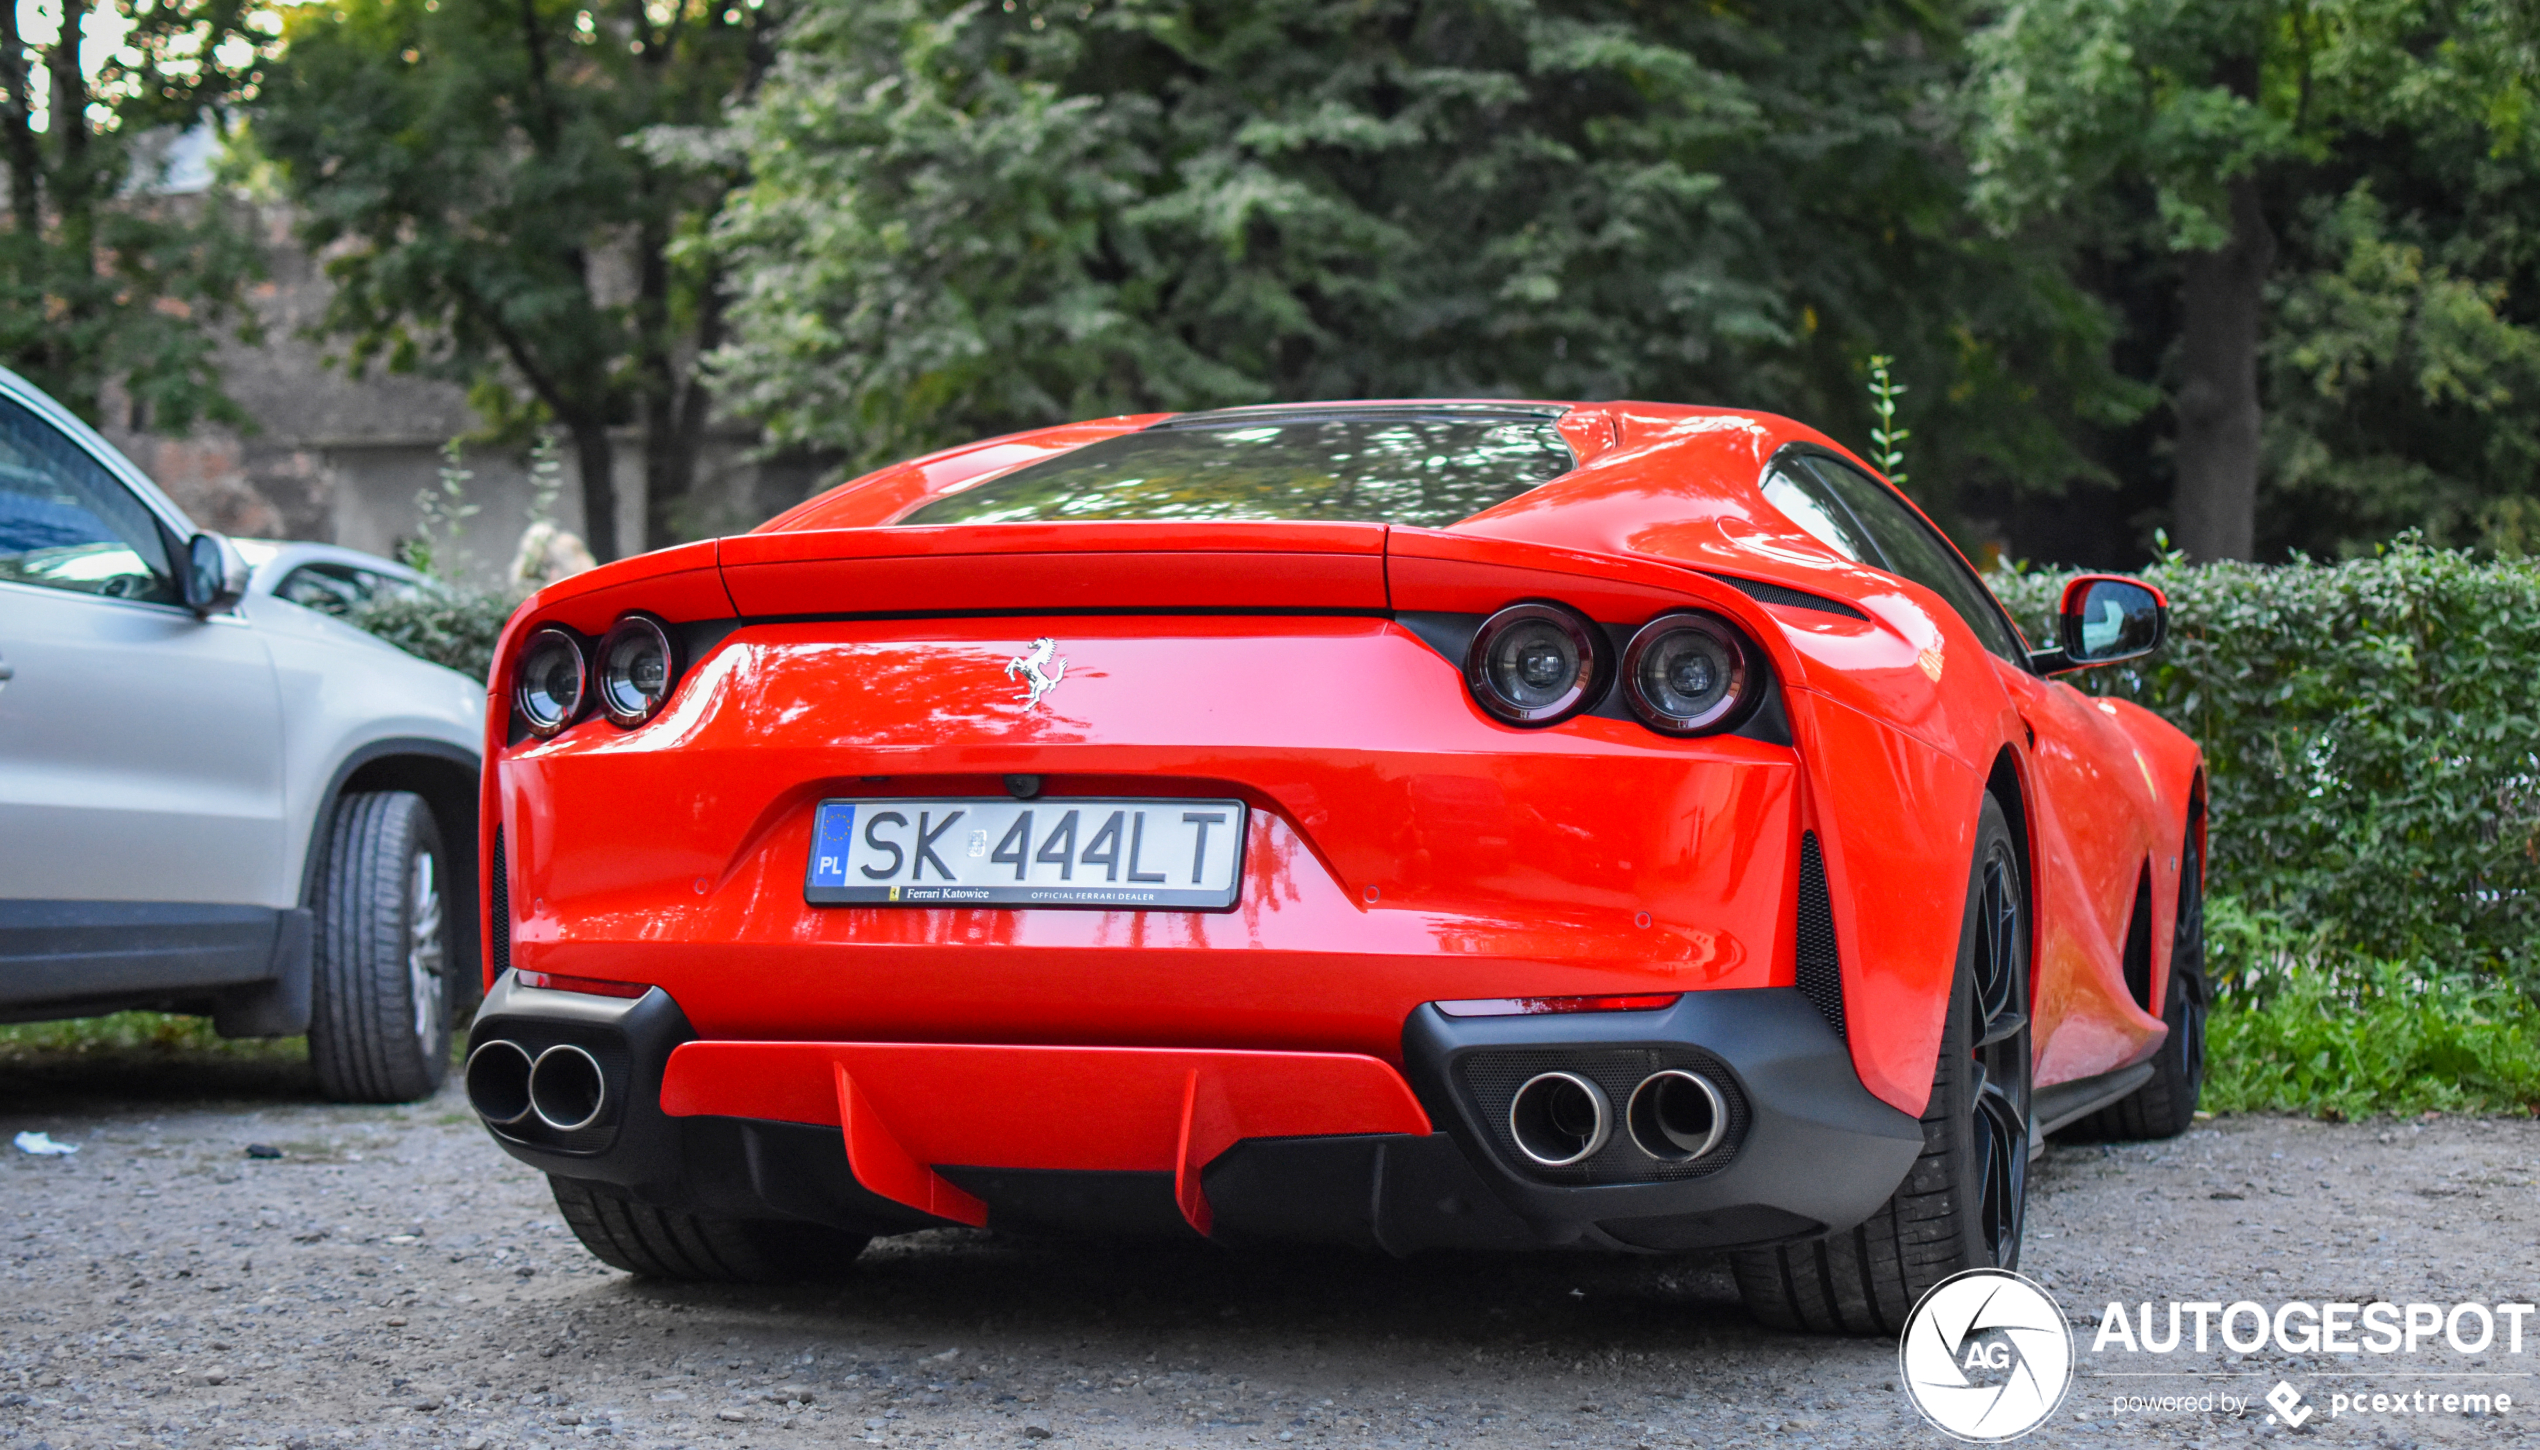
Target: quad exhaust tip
[
  {"x": 497, "y": 1078},
  {"x": 566, "y": 1088},
  {"x": 1560, "y": 1118},
  {"x": 562, "y": 1087},
  {"x": 1676, "y": 1116}
]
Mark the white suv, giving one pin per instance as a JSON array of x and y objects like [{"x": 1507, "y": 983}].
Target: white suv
[{"x": 216, "y": 802}]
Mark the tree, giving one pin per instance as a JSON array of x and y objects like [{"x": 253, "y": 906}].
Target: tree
[
  {"x": 2201, "y": 127},
  {"x": 97, "y": 286},
  {"x": 467, "y": 167},
  {"x": 964, "y": 219}
]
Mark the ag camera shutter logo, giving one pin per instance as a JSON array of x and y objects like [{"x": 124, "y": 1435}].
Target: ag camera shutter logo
[{"x": 1986, "y": 1356}]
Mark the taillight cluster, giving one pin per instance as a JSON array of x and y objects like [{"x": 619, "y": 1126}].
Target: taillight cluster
[
  {"x": 1682, "y": 674},
  {"x": 628, "y": 674}
]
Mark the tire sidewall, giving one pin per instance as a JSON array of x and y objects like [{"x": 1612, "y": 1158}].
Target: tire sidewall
[
  {"x": 2185, "y": 1006},
  {"x": 1954, "y": 1085},
  {"x": 362, "y": 1041}
]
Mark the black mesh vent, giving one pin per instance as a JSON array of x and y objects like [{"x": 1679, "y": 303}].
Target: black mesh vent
[
  {"x": 1493, "y": 1075},
  {"x": 1820, "y": 965},
  {"x": 1763, "y": 593},
  {"x": 498, "y": 942}
]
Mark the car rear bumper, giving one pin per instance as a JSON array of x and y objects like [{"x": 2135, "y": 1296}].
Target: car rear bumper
[{"x": 1338, "y": 1148}]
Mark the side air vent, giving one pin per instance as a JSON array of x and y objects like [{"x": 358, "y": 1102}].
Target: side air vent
[
  {"x": 1763, "y": 593},
  {"x": 2138, "y": 944},
  {"x": 498, "y": 943},
  {"x": 1820, "y": 965}
]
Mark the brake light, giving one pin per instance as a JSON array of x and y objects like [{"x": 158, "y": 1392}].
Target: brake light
[
  {"x": 637, "y": 665},
  {"x": 593, "y": 986},
  {"x": 551, "y": 683},
  {"x": 1533, "y": 1006},
  {"x": 1690, "y": 674},
  {"x": 1536, "y": 664}
]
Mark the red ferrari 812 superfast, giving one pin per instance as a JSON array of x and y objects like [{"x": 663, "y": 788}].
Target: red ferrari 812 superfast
[{"x": 1474, "y": 825}]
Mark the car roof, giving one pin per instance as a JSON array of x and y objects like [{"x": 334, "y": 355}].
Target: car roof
[
  {"x": 1676, "y": 482},
  {"x": 272, "y": 561},
  {"x": 1595, "y": 432}
]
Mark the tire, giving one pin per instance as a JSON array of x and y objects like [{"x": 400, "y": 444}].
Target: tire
[
  {"x": 2164, "y": 1106},
  {"x": 653, "y": 1243},
  {"x": 1961, "y": 1205},
  {"x": 379, "y": 1019}
]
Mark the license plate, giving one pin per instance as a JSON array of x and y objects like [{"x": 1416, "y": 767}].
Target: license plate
[{"x": 1164, "y": 854}]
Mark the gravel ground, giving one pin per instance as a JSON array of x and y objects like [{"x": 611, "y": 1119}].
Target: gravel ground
[{"x": 393, "y": 1280}]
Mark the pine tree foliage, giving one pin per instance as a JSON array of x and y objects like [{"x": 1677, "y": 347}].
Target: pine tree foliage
[{"x": 967, "y": 218}]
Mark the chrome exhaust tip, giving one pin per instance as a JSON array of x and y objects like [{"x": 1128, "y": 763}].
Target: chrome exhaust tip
[
  {"x": 566, "y": 1088},
  {"x": 1676, "y": 1116},
  {"x": 497, "y": 1079},
  {"x": 1560, "y": 1118}
]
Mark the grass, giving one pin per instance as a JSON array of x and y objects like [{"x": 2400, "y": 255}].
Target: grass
[
  {"x": 128, "y": 1033},
  {"x": 2376, "y": 1038},
  {"x": 140, "y": 1059},
  {"x": 2302, "y": 1027}
]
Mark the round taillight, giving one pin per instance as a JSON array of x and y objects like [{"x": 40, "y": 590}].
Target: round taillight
[
  {"x": 1689, "y": 674},
  {"x": 637, "y": 666},
  {"x": 547, "y": 687},
  {"x": 1534, "y": 664}
]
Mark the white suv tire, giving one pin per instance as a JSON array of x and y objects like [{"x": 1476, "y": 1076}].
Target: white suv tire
[{"x": 379, "y": 1024}]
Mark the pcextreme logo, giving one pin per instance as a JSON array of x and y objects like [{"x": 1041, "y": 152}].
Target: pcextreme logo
[{"x": 1986, "y": 1356}]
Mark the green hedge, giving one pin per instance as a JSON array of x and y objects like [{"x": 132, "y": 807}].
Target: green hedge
[
  {"x": 2372, "y": 738},
  {"x": 2372, "y": 730},
  {"x": 458, "y": 628}
]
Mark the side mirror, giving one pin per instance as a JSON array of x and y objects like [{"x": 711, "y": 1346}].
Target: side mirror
[
  {"x": 215, "y": 574},
  {"x": 2105, "y": 619}
]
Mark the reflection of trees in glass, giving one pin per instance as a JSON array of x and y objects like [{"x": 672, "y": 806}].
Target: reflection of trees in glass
[{"x": 1421, "y": 471}]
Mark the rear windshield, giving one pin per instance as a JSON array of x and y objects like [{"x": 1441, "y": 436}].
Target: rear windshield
[{"x": 1420, "y": 467}]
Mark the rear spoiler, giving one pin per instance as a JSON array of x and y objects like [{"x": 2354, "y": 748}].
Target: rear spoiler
[
  {"x": 1151, "y": 567},
  {"x": 1140, "y": 567},
  {"x": 1063, "y": 568}
]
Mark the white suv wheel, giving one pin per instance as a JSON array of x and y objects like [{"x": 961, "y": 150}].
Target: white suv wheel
[{"x": 379, "y": 1025}]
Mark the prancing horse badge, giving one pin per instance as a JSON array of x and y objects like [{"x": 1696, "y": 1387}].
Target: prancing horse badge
[{"x": 1040, "y": 672}]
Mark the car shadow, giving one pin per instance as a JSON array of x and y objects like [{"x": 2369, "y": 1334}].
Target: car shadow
[
  {"x": 91, "y": 1081},
  {"x": 950, "y": 1287}
]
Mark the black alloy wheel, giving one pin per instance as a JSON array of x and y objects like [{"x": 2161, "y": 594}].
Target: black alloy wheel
[
  {"x": 2001, "y": 1051},
  {"x": 2188, "y": 983},
  {"x": 1962, "y": 1203}
]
